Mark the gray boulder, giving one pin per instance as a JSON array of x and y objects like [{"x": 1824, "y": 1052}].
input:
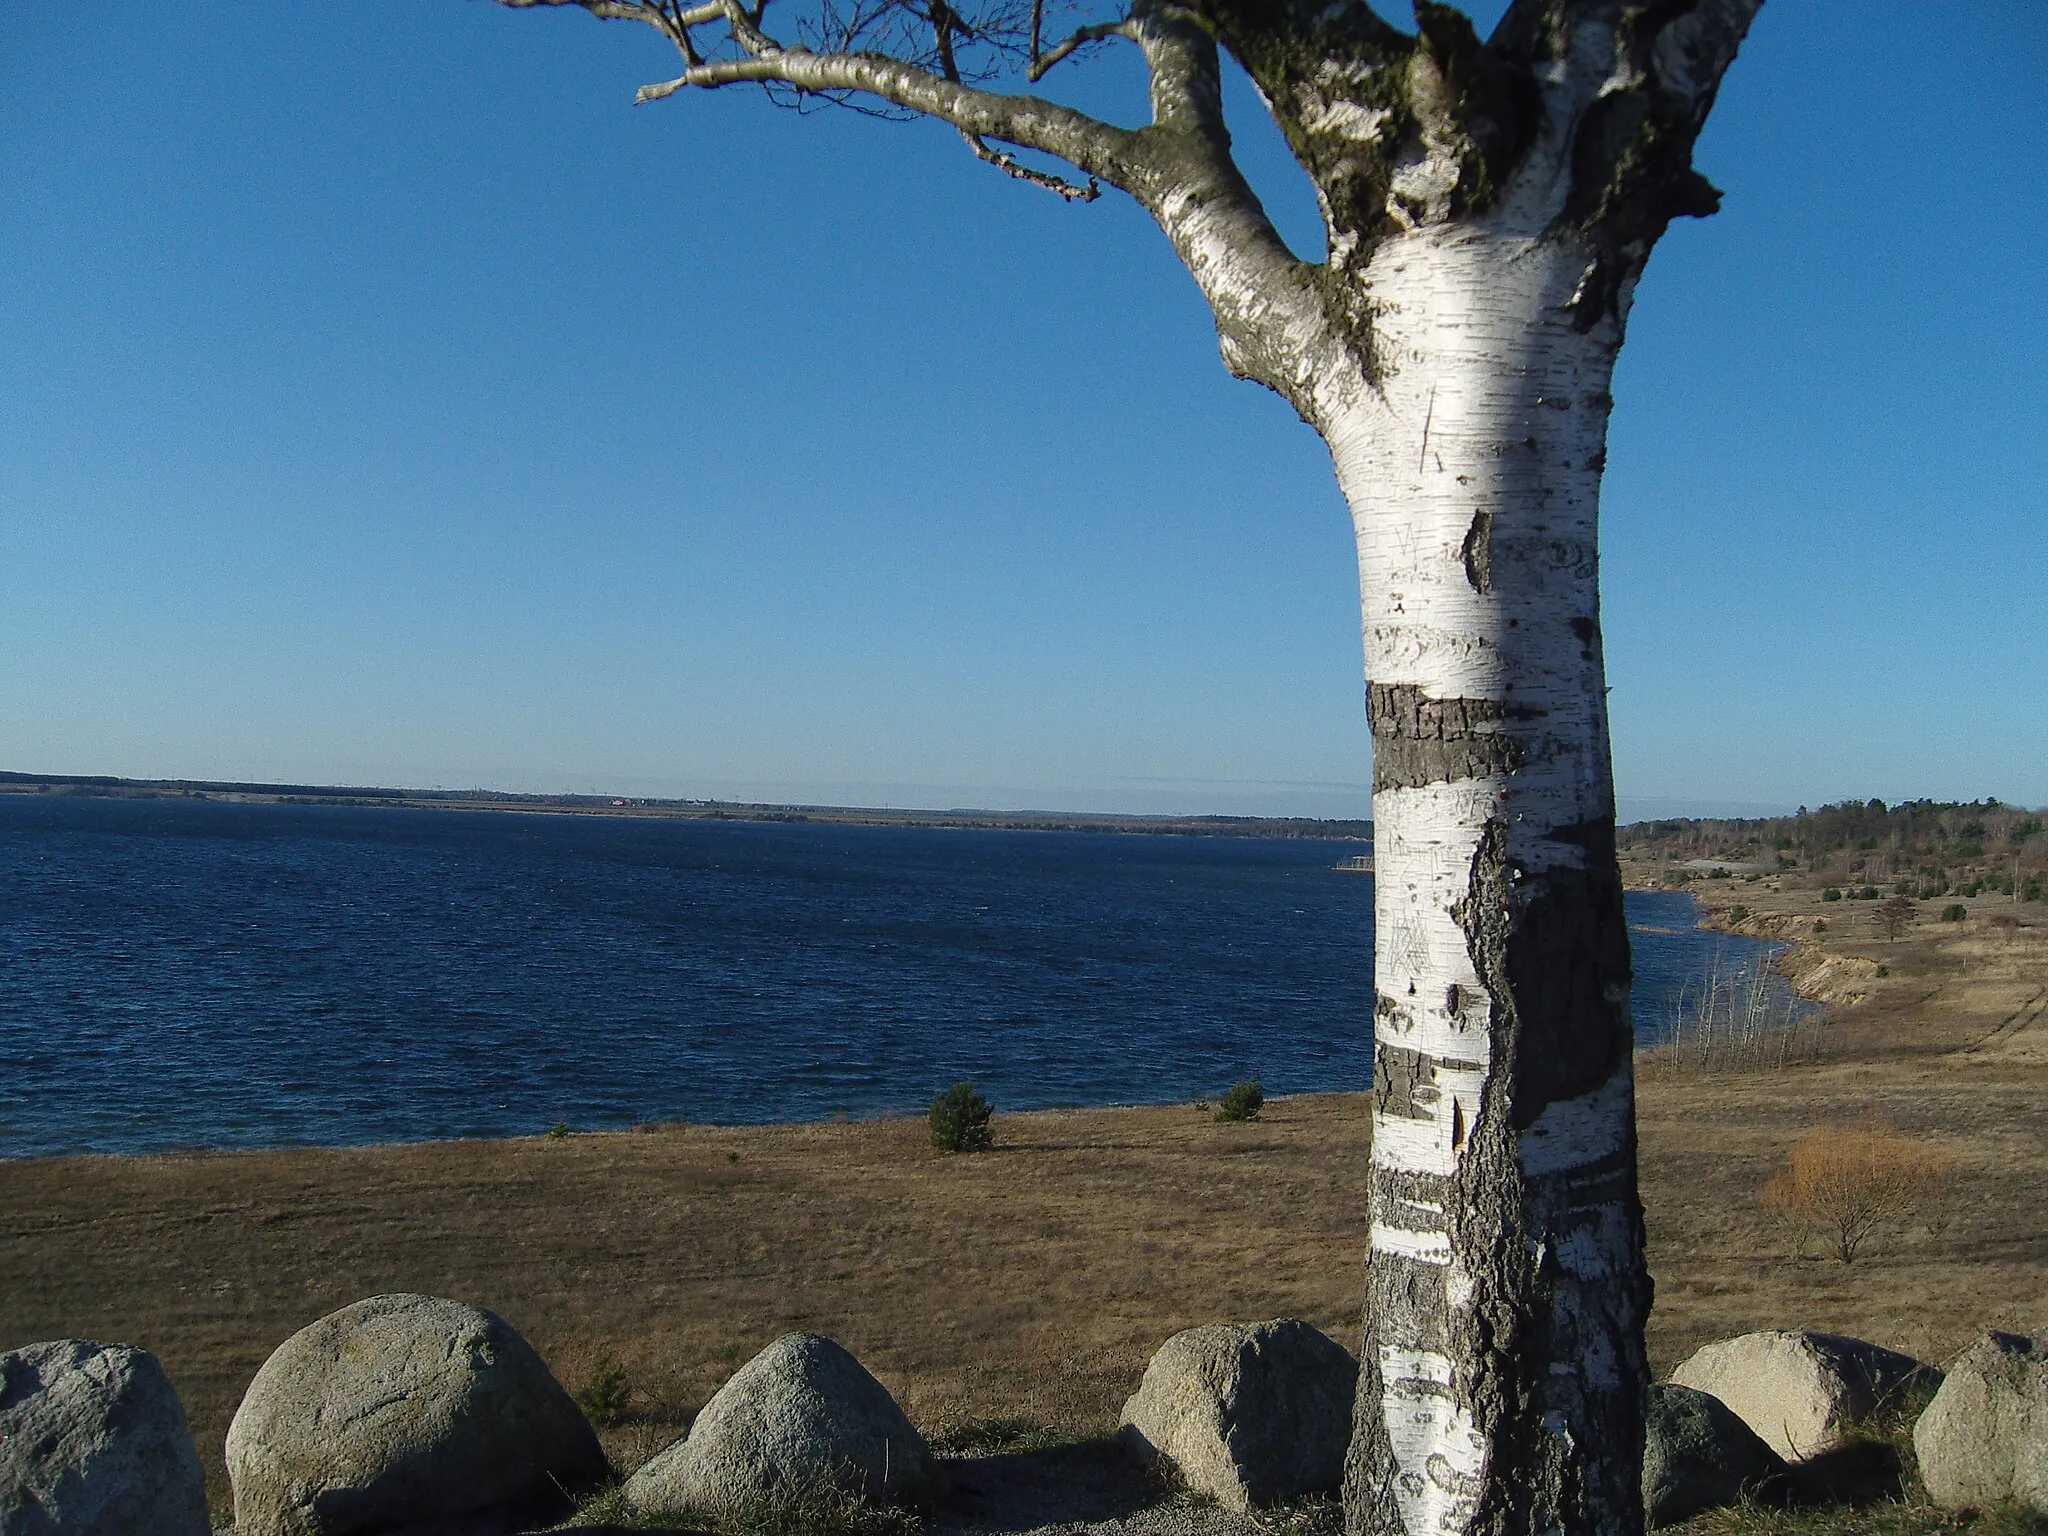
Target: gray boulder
[
  {"x": 1984, "y": 1438},
  {"x": 1803, "y": 1392},
  {"x": 401, "y": 1411},
  {"x": 1249, "y": 1415},
  {"x": 801, "y": 1420},
  {"x": 93, "y": 1443},
  {"x": 1697, "y": 1455}
]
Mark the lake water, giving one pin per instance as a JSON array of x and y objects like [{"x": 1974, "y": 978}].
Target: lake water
[{"x": 180, "y": 974}]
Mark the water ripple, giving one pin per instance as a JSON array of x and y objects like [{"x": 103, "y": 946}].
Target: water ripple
[{"x": 183, "y": 973}]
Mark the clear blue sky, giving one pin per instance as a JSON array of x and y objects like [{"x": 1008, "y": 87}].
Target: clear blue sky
[{"x": 384, "y": 398}]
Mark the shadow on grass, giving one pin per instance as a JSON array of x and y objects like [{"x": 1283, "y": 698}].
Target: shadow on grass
[
  {"x": 1867, "y": 1487},
  {"x": 1076, "y": 1483}
]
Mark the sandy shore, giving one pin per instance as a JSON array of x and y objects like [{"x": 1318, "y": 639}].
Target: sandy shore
[{"x": 1033, "y": 1282}]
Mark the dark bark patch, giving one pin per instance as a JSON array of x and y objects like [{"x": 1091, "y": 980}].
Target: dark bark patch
[
  {"x": 1518, "y": 1357},
  {"x": 1477, "y": 551},
  {"x": 1631, "y": 166},
  {"x": 1404, "y": 1081},
  {"x": 1567, "y": 966},
  {"x": 1406, "y": 1308},
  {"x": 1406, "y": 1187},
  {"x": 1418, "y": 740}
]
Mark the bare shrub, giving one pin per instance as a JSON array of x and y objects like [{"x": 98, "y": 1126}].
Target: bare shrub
[
  {"x": 1847, "y": 1180},
  {"x": 1740, "y": 1016}
]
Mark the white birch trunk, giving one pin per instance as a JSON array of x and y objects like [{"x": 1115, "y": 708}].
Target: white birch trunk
[
  {"x": 1506, "y": 1289},
  {"x": 1488, "y": 205}
]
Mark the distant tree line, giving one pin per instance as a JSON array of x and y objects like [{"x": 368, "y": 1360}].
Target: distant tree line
[
  {"x": 106, "y": 786},
  {"x": 1917, "y": 848}
]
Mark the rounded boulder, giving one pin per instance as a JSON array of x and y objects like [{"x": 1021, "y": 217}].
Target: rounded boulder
[
  {"x": 93, "y": 1443},
  {"x": 1984, "y": 1438},
  {"x": 401, "y": 1411},
  {"x": 1803, "y": 1392},
  {"x": 1697, "y": 1455},
  {"x": 801, "y": 1420},
  {"x": 1248, "y": 1414}
]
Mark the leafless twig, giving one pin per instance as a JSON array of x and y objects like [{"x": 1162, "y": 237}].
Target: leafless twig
[{"x": 1081, "y": 37}]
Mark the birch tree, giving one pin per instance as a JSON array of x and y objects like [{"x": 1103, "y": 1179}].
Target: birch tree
[{"x": 1488, "y": 206}]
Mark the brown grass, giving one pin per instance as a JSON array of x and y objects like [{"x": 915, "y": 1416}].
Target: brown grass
[{"x": 1031, "y": 1282}]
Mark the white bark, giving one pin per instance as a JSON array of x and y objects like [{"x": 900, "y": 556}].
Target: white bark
[
  {"x": 1487, "y": 207},
  {"x": 1473, "y": 471}
]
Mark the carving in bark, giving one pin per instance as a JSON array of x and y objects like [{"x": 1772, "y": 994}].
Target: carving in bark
[{"x": 1489, "y": 205}]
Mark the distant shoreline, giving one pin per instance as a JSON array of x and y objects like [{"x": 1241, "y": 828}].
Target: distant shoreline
[{"x": 108, "y": 787}]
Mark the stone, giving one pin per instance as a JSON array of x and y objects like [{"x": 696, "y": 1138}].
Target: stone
[
  {"x": 402, "y": 1411},
  {"x": 1802, "y": 1392},
  {"x": 1250, "y": 1415},
  {"x": 801, "y": 1420},
  {"x": 1984, "y": 1438},
  {"x": 93, "y": 1443},
  {"x": 1697, "y": 1455}
]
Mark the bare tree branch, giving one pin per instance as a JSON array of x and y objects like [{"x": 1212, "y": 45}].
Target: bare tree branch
[
  {"x": 1095, "y": 147},
  {"x": 1081, "y": 37},
  {"x": 906, "y": 54},
  {"x": 1272, "y": 325},
  {"x": 1010, "y": 165}
]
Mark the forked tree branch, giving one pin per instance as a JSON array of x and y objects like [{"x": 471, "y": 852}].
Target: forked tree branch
[
  {"x": 1010, "y": 165},
  {"x": 1270, "y": 320},
  {"x": 1107, "y": 153},
  {"x": 1080, "y": 38}
]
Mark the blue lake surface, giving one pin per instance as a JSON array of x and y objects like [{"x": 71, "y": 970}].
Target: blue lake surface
[{"x": 178, "y": 974}]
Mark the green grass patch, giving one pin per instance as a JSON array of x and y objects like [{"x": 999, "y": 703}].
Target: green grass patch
[
  {"x": 813, "y": 1512},
  {"x": 1000, "y": 1436}
]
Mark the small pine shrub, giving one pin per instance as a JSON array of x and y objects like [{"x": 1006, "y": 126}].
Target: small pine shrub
[
  {"x": 1954, "y": 912},
  {"x": 1737, "y": 914},
  {"x": 1243, "y": 1102},
  {"x": 608, "y": 1395},
  {"x": 559, "y": 1131},
  {"x": 1831, "y": 894},
  {"x": 959, "y": 1120},
  {"x": 1868, "y": 893}
]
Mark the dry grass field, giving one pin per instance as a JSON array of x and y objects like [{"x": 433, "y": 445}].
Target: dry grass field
[{"x": 1033, "y": 1281}]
